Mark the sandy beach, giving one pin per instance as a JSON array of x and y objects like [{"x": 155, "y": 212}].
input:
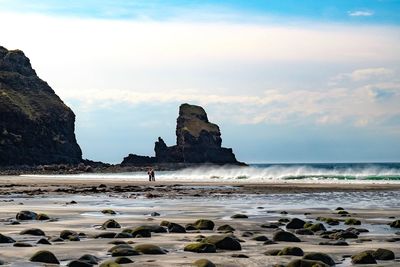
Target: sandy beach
[{"x": 77, "y": 205}]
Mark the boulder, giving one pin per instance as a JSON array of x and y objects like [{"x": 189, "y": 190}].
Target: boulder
[
  {"x": 200, "y": 248},
  {"x": 149, "y": 249},
  {"x": 105, "y": 235},
  {"x": 43, "y": 241},
  {"x": 225, "y": 228},
  {"x": 295, "y": 223},
  {"x": 272, "y": 252},
  {"x": 285, "y": 237},
  {"x": 203, "y": 263},
  {"x": 260, "y": 238},
  {"x": 292, "y": 251},
  {"x": 110, "y": 263},
  {"x": 22, "y": 244},
  {"x": 239, "y": 216},
  {"x": 306, "y": 263},
  {"x": 395, "y": 224},
  {"x": 79, "y": 263},
  {"x": 123, "y": 260},
  {"x": 42, "y": 217},
  {"x": 141, "y": 231},
  {"x": 26, "y": 214},
  {"x": 45, "y": 257},
  {"x": 110, "y": 224},
  {"x": 304, "y": 232},
  {"x": 6, "y": 239},
  {"x": 352, "y": 221},
  {"x": 108, "y": 212},
  {"x": 66, "y": 234},
  {"x": 364, "y": 257},
  {"x": 90, "y": 259},
  {"x": 203, "y": 224},
  {"x": 383, "y": 254},
  {"x": 223, "y": 242},
  {"x": 316, "y": 227},
  {"x": 32, "y": 231},
  {"x": 322, "y": 257}
]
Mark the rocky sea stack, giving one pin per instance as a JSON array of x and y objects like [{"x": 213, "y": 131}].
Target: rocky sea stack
[
  {"x": 36, "y": 127},
  {"x": 197, "y": 141}
]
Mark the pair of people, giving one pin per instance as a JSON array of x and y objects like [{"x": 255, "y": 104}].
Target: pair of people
[{"x": 152, "y": 176}]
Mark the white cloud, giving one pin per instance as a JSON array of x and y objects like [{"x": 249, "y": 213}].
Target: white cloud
[
  {"x": 363, "y": 74},
  {"x": 360, "y": 13}
]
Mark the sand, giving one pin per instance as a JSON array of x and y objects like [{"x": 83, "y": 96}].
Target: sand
[{"x": 182, "y": 203}]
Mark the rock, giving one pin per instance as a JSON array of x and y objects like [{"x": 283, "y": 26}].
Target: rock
[
  {"x": 110, "y": 263},
  {"x": 173, "y": 227},
  {"x": 123, "y": 235},
  {"x": 383, "y": 254},
  {"x": 304, "y": 232},
  {"x": 223, "y": 242},
  {"x": 260, "y": 238},
  {"x": 25, "y": 214},
  {"x": 339, "y": 208},
  {"x": 293, "y": 251},
  {"x": 204, "y": 224},
  {"x": 272, "y": 252},
  {"x": 306, "y": 263},
  {"x": 123, "y": 260},
  {"x": 203, "y": 263},
  {"x": 45, "y": 257},
  {"x": 22, "y": 244},
  {"x": 351, "y": 221},
  {"x": 90, "y": 259},
  {"x": 285, "y": 236},
  {"x": 141, "y": 231},
  {"x": 225, "y": 228},
  {"x": 270, "y": 225},
  {"x": 105, "y": 235},
  {"x": 110, "y": 224},
  {"x": 43, "y": 241},
  {"x": 124, "y": 251},
  {"x": 42, "y": 217},
  {"x": 198, "y": 141},
  {"x": 284, "y": 220},
  {"x": 316, "y": 256},
  {"x": 363, "y": 258},
  {"x": 200, "y": 248},
  {"x": 334, "y": 243},
  {"x": 6, "y": 239},
  {"x": 33, "y": 231},
  {"x": 74, "y": 238},
  {"x": 316, "y": 227},
  {"x": 78, "y": 263},
  {"x": 149, "y": 249},
  {"x": 295, "y": 223},
  {"x": 342, "y": 212},
  {"x": 395, "y": 224},
  {"x": 343, "y": 235},
  {"x": 2, "y": 262},
  {"x": 66, "y": 234},
  {"x": 241, "y": 256},
  {"x": 239, "y": 216},
  {"x": 56, "y": 239},
  {"x": 269, "y": 242},
  {"x": 154, "y": 214},
  {"x": 108, "y": 211},
  {"x": 36, "y": 126},
  {"x": 329, "y": 221}
]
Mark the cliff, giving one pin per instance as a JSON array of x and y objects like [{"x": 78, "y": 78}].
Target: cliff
[
  {"x": 197, "y": 141},
  {"x": 36, "y": 127}
]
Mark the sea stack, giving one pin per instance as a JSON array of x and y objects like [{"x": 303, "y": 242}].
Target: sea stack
[
  {"x": 36, "y": 127},
  {"x": 197, "y": 141}
]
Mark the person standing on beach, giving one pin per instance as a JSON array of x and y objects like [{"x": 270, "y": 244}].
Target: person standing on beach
[
  {"x": 149, "y": 173},
  {"x": 153, "y": 175}
]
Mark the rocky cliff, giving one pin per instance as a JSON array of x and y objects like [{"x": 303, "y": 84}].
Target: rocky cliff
[
  {"x": 36, "y": 127},
  {"x": 197, "y": 141}
]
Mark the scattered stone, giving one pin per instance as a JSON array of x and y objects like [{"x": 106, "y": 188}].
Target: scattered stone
[
  {"x": 22, "y": 244},
  {"x": 239, "y": 216},
  {"x": 155, "y": 214},
  {"x": 316, "y": 256},
  {"x": 26, "y": 215},
  {"x": 110, "y": 263},
  {"x": 226, "y": 228},
  {"x": 56, "y": 239},
  {"x": 343, "y": 235},
  {"x": 33, "y": 231},
  {"x": 269, "y": 242},
  {"x": 284, "y": 212},
  {"x": 342, "y": 212},
  {"x": 79, "y": 263},
  {"x": 45, "y": 257},
  {"x": 304, "y": 232},
  {"x": 204, "y": 224},
  {"x": 242, "y": 256},
  {"x": 108, "y": 212},
  {"x": 316, "y": 227},
  {"x": 90, "y": 259},
  {"x": 339, "y": 208},
  {"x": 43, "y": 241},
  {"x": 260, "y": 238},
  {"x": 141, "y": 231},
  {"x": 272, "y": 252},
  {"x": 105, "y": 235},
  {"x": 352, "y": 221},
  {"x": 74, "y": 238},
  {"x": 42, "y": 217},
  {"x": 6, "y": 239},
  {"x": 395, "y": 224},
  {"x": 334, "y": 243},
  {"x": 293, "y": 251},
  {"x": 306, "y": 263},
  {"x": 123, "y": 235},
  {"x": 383, "y": 254},
  {"x": 149, "y": 249},
  {"x": 200, "y": 248},
  {"x": 203, "y": 263},
  {"x": 123, "y": 260},
  {"x": 284, "y": 220},
  {"x": 223, "y": 242},
  {"x": 66, "y": 234},
  {"x": 285, "y": 236},
  {"x": 364, "y": 257},
  {"x": 295, "y": 223},
  {"x": 270, "y": 225},
  {"x": 110, "y": 224}
]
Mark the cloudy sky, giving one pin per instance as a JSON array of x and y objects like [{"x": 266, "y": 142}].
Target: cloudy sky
[{"x": 286, "y": 80}]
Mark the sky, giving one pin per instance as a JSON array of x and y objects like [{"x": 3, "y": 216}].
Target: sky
[{"x": 286, "y": 80}]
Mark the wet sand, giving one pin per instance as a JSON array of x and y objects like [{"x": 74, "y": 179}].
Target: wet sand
[{"x": 183, "y": 203}]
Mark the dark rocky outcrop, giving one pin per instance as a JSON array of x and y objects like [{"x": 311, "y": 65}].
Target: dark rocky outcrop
[
  {"x": 36, "y": 127},
  {"x": 197, "y": 141}
]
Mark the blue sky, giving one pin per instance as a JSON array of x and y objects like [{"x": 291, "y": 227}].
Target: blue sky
[{"x": 287, "y": 81}]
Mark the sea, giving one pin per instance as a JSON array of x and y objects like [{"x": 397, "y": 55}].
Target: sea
[{"x": 266, "y": 173}]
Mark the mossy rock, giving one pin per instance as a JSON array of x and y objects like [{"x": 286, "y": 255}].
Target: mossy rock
[
  {"x": 342, "y": 212},
  {"x": 292, "y": 251},
  {"x": 154, "y": 228},
  {"x": 176, "y": 228},
  {"x": 108, "y": 212},
  {"x": 260, "y": 238},
  {"x": 141, "y": 231},
  {"x": 223, "y": 242},
  {"x": 316, "y": 227},
  {"x": 200, "y": 248},
  {"x": 45, "y": 257},
  {"x": 203, "y": 263},
  {"x": 306, "y": 263},
  {"x": 90, "y": 259},
  {"x": 32, "y": 231},
  {"x": 123, "y": 235},
  {"x": 285, "y": 237},
  {"x": 295, "y": 223},
  {"x": 124, "y": 251},
  {"x": 65, "y": 234},
  {"x": 203, "y": 224},
  {"x": 123, "y": 260},
  {"x": 332, "y": 221},
  {"x": 272, "y": 252},
  {"x": 43, "y": 241},
  {"x": 239, "y": 216},
  {"x": 42, "y": 217},
  {"x": 284, "y": 220},
  {"x": 383, "y": 254},
  {"x": 110, "y": 263},
  {"x": 6, "y": 239},
  {"x": 364, "y": 257},
  {"x": 225, "y": 228},
  {"x": 149, "y": 249},
  {"x": 395, "y": 224},
  {"x": 79, "y": 263},
  {"x": 26, "y": 215},
  {"x": 316, "y": 256},
  {"x": 105, "y": 235},
  {"x": 74, "y": 238},
  {"x": 352, "y": 221},
  {"x": 110, "y": 224}
]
